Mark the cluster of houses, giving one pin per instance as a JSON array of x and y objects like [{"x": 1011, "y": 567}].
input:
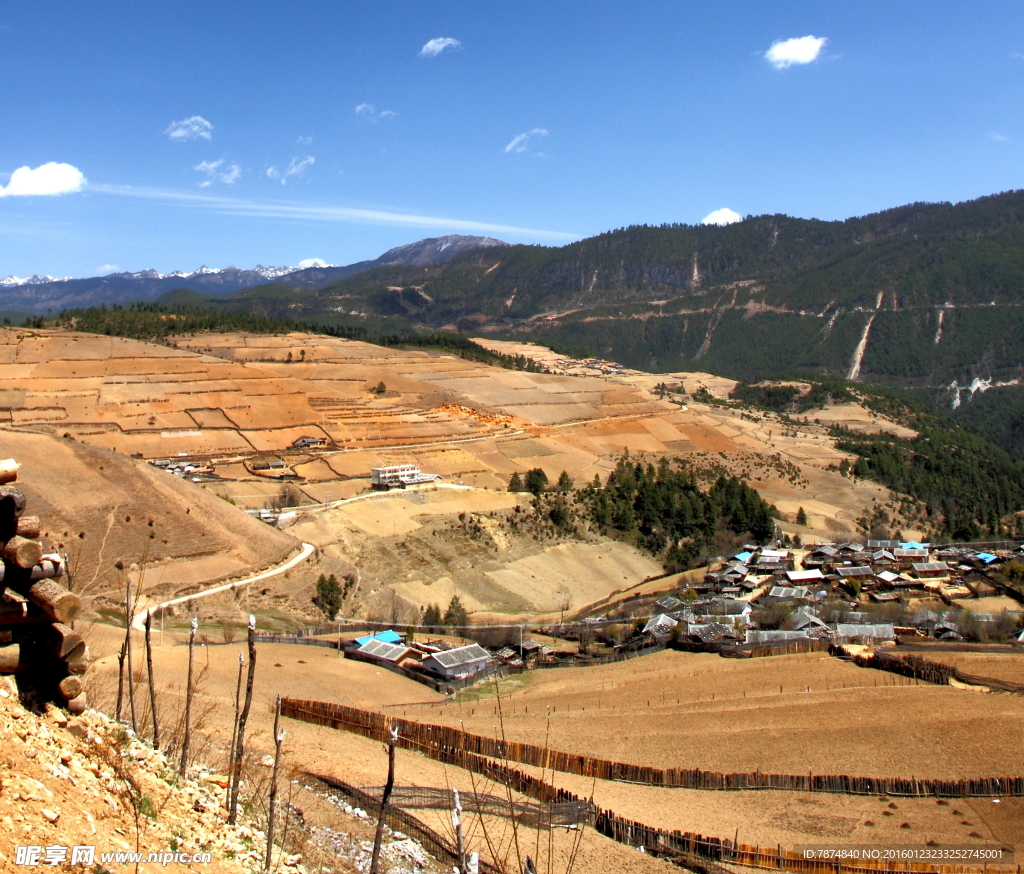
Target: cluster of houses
[
  {"x": 826, "y": 591},
  {"x": 436, "y": 659}
]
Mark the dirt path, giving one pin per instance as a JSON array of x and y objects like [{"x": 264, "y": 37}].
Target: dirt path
[{"x": 307, "y": 550}]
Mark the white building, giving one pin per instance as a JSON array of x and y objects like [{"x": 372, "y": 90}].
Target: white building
[{"x": 399, "y": 475}]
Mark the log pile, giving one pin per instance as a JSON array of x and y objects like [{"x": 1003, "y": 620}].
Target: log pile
[{"x": 37, "y": 641}]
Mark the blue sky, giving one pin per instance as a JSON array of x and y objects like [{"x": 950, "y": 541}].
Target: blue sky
[{"x": 632, "y": 113}]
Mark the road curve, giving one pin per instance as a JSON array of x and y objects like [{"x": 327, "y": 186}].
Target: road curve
[{"x": 139, "y": 623}]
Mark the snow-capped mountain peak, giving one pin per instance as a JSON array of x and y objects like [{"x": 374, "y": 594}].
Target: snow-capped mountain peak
[{"x": 34, "y": 279}]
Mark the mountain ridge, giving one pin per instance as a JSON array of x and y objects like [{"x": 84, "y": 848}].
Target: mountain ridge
[{"x": 41, "y": 293}]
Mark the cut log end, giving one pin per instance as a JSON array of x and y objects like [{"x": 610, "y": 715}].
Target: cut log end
[
  {"x": 57, "y": 601},
  {"x": 71, "y": 687},
  {"x": 22, "y": 552}
]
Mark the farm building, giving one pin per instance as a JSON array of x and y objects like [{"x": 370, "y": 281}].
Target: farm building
[
  {"x": 399, "y": 476},
  {"x": 660, "y": 625},
  {"x": 863, "y": 572},
  {"x": 930, "y": 569},
  {"x": 848, "y": 632},
  {"x": 463, "y": 661},
  {"x": 376, "y": 650},
  {"x": 389, "y": 636},
  {"x": 791, "y": 593},
  {"x": 804, "y": 578},
  {"x": 308, "y": 442},
  {"x": 756, "y": 635}
]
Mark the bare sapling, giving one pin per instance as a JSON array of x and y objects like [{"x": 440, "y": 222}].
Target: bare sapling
[
  {"x": 278, "y": 741},
  {"x": 130, "y": 605},
  {"x": 152, "y": 685},
  {"x": 189, "y": 690},
  {"x": 234, "y": 729},
  {"x": 379, "y": 835},
  {"x": 457, "y": 824},
  {"x": 242, "y": 719}
]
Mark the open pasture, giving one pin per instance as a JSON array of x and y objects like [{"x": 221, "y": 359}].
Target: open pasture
[{"x": 787, "y": 714}]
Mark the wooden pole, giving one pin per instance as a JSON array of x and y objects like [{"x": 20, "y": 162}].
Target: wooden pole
[
  {"x": 242, "y": 719},
  {"x": 152, "y": 685},
  {"x": 187, "y": 739},
  {"x": 234, "y": 730},
  {"x": 120, "y": 680},
  {"x": 129, "y": 609},
  {"x": 457, "y": 822},
  {"x": 278, "y": 740},
  {"x": 379, "y": 835}
]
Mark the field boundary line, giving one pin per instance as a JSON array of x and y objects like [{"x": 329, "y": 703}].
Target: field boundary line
[{"x": 444, "y": 741}]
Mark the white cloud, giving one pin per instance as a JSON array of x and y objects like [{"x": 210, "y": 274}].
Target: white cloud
[
  {"x": 297, "y": 167},
  {"x": 998, "y": 137},
  {"x": 218, "y": 171},
  {"x": 51, "y": 178},
  {"x": 291, "y": 211},
  {"x": 433, "y": 48},
  {"x": 521, "y": 142},
  {"x": 799, "y": 50},
  {"x": 314, "y": 262},
  {"x": 368, "y": 110},
  {"x": 273, "y": 172},
  {"x": 724, "y": 216},
  {"x": 195, "y": 127},
  {"x": 106, "y": 269},
  {"x": 304, "y": 141}
]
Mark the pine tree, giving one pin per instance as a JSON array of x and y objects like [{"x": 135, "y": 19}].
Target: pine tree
[
  {"x": 328, "y": 596},
  {"x": 801, "y": 517},
  {"x": 432, "y": 616},
  {"x": 456, "y": 615},
  {"x": 564, "y": 482},
  {"x": 516, "y": 483}
]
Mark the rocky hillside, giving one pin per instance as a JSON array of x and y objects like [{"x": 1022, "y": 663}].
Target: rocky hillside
[{"x": 84, "y": 782}]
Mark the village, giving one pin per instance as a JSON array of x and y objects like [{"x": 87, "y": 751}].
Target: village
[{"x": 846, "y": 597}]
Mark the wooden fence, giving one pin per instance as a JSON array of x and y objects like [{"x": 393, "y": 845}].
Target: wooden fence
[
  {"x": 686, "y": 849},
  {"x": 439, "y": 740},
  {"x": 931, "y": 672}
]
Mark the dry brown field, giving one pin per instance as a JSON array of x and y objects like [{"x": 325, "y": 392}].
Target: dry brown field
[
  {"x": 1008, "y": 667},
  {"x": 232, "y": 397},
  {"x": 779, "y": 732},
  {"x": 786, "y": 714},
  {"x": 102, "y": 508},
  {"x": 312, "y": 672}
]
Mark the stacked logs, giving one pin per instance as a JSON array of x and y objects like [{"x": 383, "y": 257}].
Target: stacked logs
[{"x": 36, "y": 638}]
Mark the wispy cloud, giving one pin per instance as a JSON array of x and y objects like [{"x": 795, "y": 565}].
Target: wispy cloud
[
  {"x": 369, "y": 111},
  {"x": 218, "y": 171},
  {"x": 998, "y": 137},
  {"x": 799, "y": 50},
  {"x": 330, "y": 214},
  {"x": 435, "y": 46},
  {"x": 521, "y": 142},
  {"x": 106, "y": 269},
  {"x": 304, "y": 141},
  {"x": 297, "y": 167},
  {"x": 314, "y": 262},
  {"x": 724, "y": 216},
  {"x": 195, "y": 127},
  {"x": 46, "y": 179},
  {"x": 1017, "y": 56}
]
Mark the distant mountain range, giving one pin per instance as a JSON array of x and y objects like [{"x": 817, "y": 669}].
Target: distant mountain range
[{"x": 40, "y": 294}]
